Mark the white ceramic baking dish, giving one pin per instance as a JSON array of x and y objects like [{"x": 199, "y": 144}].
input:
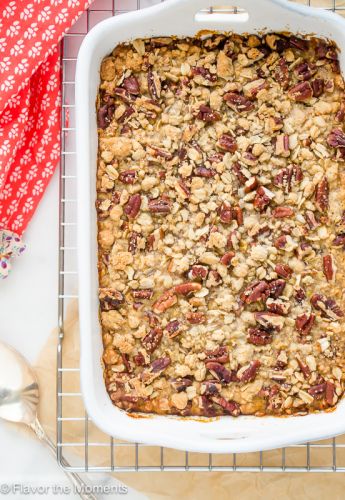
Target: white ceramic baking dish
[{"x": 175, "y": 17}]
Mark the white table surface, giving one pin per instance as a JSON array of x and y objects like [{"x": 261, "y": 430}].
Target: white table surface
[{"x": 28, "y": 312}]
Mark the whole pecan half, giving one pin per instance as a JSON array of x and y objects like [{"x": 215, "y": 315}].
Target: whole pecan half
[
  {"x": 238, "y": 102},
  {"x": 328, "y": 267},
  {"x": 249, "y": 374},
  {"x": 131, "y": 84},
  {"x": 160, "y": 206},
  {"x": 110, "y": 299},
  {"x": 282, "y": 212},
  {"x": 196, "y": 318},
  {"x": 259, "y": 336},
  {"x": 207, "y": 114},
  {"x": 152, "y": 340},
  {"x": 327, "y": 306},
  {"x": 204, "y": 172},
  {"x": 304, "y": 323},
  {"x": 230, "y": 407},
  {"x": 283, "y": 270},
  {"x": 143, "y": 294},
  {"x": 133, "y": 206},
  {"x": 322, "y": 195},
  {"x": 160, "y": 364},
  {"x": 258, "y": 290},
  {"x": 301, "y": 92},
  {"x": 164, "y": 302},
  {"x": 228, "y": 143},
  {"x": 220, "y": 372}
]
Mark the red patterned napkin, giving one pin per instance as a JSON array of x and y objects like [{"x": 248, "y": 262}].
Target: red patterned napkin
[{"x": 30, "y": 84}]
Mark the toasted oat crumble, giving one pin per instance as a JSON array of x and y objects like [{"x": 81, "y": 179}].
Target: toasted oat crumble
[{"x": 221, "y": 225}]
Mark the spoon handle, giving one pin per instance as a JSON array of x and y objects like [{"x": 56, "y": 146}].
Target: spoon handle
[{"x": 81, "y": 487}]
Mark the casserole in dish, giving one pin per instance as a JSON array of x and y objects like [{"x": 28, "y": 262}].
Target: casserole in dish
[{"x": 259, "y": 332}]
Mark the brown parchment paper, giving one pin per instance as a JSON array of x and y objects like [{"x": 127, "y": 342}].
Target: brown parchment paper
[{"x": 176, "y": 485}]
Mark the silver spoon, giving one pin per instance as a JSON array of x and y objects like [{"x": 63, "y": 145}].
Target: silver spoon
[{"x": 19, "y": 397}]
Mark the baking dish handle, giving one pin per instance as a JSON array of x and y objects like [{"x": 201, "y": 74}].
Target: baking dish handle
[{"x": 260, "y": 9}]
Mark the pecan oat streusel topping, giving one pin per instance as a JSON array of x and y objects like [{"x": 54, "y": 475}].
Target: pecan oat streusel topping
[{"x": 221, "y": 225}]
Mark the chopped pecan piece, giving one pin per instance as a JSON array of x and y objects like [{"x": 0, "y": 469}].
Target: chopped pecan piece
[
  {"x": 181, "y": 384},
  {"x": 236, "y": 168},
  {"x": 238, "y": 102},
  {"x": 249, "y": 374},
  {"x": 278, "y": 306},
  {"x": 131, "y": 84},
  {"x": 152, "y": 340},
  {"x": 160, "y": 153},
  {"x": 220, "y": 372},
  {"x": 339, "y": 240},
  {"x": 281, "y": 73},
  {"x": 328, "y": 307},
  {"x": 281, "y": 241},
  {"x": 262, "y": 198},
  {"x": 258, "y": 290},
  {"x": 322, "y": 195},
  {"x": 336, "y": 138},
  {"x": 328, "y": 267},
  {"x": 227, "y": 258},
  {"x": 105, "y": 114},
  {"x": 301, "y": 92},
  {"x": 187, "y": 288},
  {"x": 300, "y": 295},
  {"x": 283, "y": 270},
  {"x": 276, "y": 288},
  {"x": 311, "y": 220},
  {"x": 282, "y": 212},
  {"x": 143, "y": 294},
  {"x": 288, "y": 177},
  {"x": 204, "y": 172},
  {"x": 133, "y": 242},
  {"x": 329, "y": 393},
  {"x": 133, "y": 206},
  {"x": 160, "y": 206},
  {"x": 304, "y": 323},
  {"x": 110, "y": 299},
  {"x": 219, "y": 355},
  {"x": 269, "y": 320},
  {"x": 154, "y": 84},
  {"x": 318, "y": 86},
  {"x": 228, "y": 143},
  {"x": 304, "y": 368},
  {"x": 160, "y": 364},
  {"x": 317, "y": 391},
  {"x": 230, "y": 407},
  {"x": 304, "y": 70},
  {"x": 196, "y": 318},
  {"x": 259, "y": 336},
  {"x": 204, "y": 73},
  {"x": 210, "y": 387},
  {"x": 225, "y": 213},
  {"x": 207, "y": 114},
  {"x": 198, "y": 272}
]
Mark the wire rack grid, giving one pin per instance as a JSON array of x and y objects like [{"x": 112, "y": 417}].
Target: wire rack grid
[{"x": 93, "y": 450}]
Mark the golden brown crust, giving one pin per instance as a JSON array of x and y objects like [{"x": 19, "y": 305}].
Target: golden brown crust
[{"x": 221, "y": 227}]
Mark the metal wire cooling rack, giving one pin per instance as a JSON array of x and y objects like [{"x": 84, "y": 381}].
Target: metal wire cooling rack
[{"x": 95, "y": 451}]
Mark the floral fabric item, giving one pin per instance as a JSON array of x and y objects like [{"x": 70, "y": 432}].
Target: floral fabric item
[{"x": 30, "y": 87}]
